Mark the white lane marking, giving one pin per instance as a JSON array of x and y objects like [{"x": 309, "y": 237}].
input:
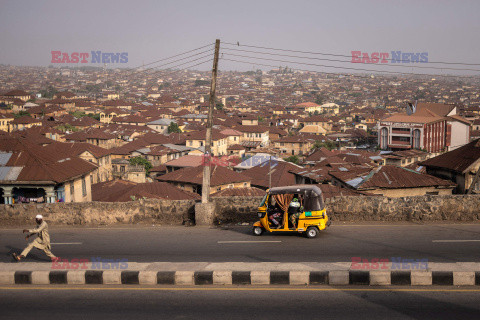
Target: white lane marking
[
  {"x": 249, "y": 241},
  {"x": 455, "y": 240},
  {"x": 66, "y": 243}
]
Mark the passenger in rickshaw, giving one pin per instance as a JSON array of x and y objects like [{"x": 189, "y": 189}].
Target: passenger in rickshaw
[
  {"x": 275, "y": 214},
  {"x": 295, "y": 209}
]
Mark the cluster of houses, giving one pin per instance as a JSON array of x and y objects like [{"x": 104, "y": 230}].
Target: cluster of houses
[{"x": 72, "y": 149}]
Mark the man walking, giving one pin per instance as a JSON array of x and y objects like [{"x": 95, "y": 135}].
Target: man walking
[{"x": 42, "y": 242}]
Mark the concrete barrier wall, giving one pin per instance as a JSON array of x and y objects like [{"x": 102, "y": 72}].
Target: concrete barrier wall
[
  {"x": 243, "y": 209},
  {"x": 419, "y": 208}
]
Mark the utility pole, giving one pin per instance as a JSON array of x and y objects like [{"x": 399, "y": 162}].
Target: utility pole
[
  {"x": 208, "y": 139},
  {"x": 270, "y": 173}
]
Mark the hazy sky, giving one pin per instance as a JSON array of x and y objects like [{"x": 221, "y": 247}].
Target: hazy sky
[{"x": 151, "y": 30}]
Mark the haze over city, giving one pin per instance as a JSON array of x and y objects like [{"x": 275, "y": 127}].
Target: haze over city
[{"x": 151, "y": 30}]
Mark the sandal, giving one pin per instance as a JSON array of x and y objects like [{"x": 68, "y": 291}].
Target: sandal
[{"x": 16, "y": 257}]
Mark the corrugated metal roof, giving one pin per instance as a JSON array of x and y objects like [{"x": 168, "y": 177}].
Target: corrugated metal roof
[
  {"x": 355, "y": 182},
  {"x": 4, "y": 157},
  {"x": 9, "y": 173}
]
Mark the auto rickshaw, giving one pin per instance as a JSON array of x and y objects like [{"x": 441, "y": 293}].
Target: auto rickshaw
[{"x": 297, "y": 208}]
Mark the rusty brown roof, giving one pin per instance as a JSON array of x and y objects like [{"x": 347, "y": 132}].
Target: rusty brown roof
[
  {"x": 39, "y": 164},
  {"x": 393, "y": 177},
  {"x": 194, "y": 175},
  {"x": 239, "y": 192},
  {"x": 281, "y": 174},
  {"x": 458, "y": 160},
  {"x": 77, "y": 148}
]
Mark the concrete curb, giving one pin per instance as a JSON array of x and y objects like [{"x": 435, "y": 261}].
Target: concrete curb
[{"x": 225, "y": 277}]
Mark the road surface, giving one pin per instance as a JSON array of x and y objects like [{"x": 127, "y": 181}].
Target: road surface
[
  {"x": 236, "y": 303},
  {"x": 339, "y": 243}
]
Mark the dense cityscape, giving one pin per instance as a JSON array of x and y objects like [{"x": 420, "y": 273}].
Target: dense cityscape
[{"x": 237, "y": 160}]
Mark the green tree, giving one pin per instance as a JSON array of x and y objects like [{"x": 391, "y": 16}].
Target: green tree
[
  {"x": 292, "y": 159},
  {"x": 199, "y": 83},
  {"x": 94, "y": 116},
  {"x": 49, "y": 92},
  {"x": 330, "y": 145},
  {"x": 67, "y": 127},
  {"x": 319, "y": 99},
  {"x": 139, "y": 161},
  {"x": 174, "y": 128},
  {"x": 21, "y": 114},
  {"x": 219, "y": 106},
  {"x": 78, "y": 114}
]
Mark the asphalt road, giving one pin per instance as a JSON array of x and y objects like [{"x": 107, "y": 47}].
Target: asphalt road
[
  {"x": 236, "y": 303},
  {"x": 339, "y": 243}
]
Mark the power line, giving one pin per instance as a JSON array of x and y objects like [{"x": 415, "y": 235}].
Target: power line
[
  {"x": 334, "y": 67},
  {"x": 338, "y": 55},
  {"x": 187, "y": 67},
  {"x": 333, "y": 73},
  {"x": 165, "y": 64},
  {"x": 336, "y": 60},
  {"x": 191, "y": 66},
  {"x": 174, "y": 56},
  {"x": 187, "y": 62}
]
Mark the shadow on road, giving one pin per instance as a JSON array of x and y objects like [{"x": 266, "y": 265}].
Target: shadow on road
[{"x": 31, "y": 255}]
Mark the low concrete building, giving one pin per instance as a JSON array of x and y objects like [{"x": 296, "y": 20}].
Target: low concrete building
[{"x": 29, "y": 173}]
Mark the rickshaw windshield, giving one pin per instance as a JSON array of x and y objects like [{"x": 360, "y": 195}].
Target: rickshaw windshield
[{"x": 263, "y": 200}]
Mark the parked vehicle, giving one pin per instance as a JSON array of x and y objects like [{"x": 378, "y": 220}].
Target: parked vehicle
[{"x": 292, "y": 209}]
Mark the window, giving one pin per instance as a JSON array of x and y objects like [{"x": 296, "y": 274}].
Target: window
[
  {"x": 72, "y": 189},
  {"x": 416, "y": 139},
  {"x": 383, "y": 138}
]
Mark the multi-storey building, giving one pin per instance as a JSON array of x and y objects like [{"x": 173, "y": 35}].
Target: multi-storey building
[{"x": 429, "y": 126}]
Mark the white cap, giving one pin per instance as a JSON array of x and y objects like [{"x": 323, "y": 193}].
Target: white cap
[{"x": 38, "y": 216}]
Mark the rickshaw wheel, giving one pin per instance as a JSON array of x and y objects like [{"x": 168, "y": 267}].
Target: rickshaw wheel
[
  {"x": 311, "y": 232},
  {"x": 257, "y": 231}
]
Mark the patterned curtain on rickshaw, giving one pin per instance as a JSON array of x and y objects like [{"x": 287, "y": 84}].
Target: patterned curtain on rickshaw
[{"x": 284, "y": 200}]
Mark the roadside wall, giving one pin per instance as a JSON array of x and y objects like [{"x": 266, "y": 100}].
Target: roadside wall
[
  {"x": 101, "y": 213},
  {"x": 243, "y": 209},
  {"x": 419, "y": 208}
]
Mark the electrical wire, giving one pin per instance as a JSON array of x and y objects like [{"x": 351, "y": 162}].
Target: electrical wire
[
  {"x": 336, "y": 60},
  {"x": 174, "y": 56},
  {"x": 328, "y": 66},
  {"x": 333, "y": 73},
  {"x": 166, "y": 64},
  {"x": 337, "y": 55}
]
